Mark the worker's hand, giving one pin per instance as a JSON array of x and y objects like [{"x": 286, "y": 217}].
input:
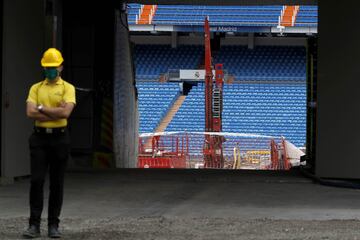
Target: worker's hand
[{"x": 62, "y": 104}]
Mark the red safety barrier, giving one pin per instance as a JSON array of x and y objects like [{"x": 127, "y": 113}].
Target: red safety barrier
[
  {"x": 163, "y": 152},
  {"x": 186, "y": 150},
  {"x": 161, "y": 162}
]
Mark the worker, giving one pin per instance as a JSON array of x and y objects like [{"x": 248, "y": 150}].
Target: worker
[{"x": 50, "y": 103}]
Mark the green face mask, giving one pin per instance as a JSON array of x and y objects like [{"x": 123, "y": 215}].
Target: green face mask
[{"x": 51, "y": 73}]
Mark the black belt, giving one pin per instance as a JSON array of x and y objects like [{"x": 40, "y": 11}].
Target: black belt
[{"x": 50, "y": 130}]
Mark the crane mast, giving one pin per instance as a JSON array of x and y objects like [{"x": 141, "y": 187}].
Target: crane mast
[{"x": 213, "y": 152}]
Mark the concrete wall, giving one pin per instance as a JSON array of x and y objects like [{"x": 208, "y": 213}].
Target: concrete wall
[
  {"x": 88, "y": 46},
  {"x": 79, "y": 70},
  {"x": 98, "y": 56},
  {"x": 338, "y": 118},
  {"x": 23, "y": 44},
  {"x": 125, "y": 102}
]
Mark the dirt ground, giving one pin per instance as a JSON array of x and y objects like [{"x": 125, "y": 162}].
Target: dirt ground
[
  {"x": 145, "y": 205},
  {"x": 191, "y": 228}
]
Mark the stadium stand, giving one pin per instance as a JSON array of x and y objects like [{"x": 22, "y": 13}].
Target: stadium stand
[
  {"x": 275, "y": 107},
  {"x": 235, "y": 15},
  {"x": 248, "y": 16},
  {"x": 307, "y": 16},
  {"x": 191, "y": 115},
  {"x": 133, "y": 12},
  {"x": 264, "y": 63},
  {"x": 154, "y": 102},
  {"x": 152, "y": 60},
  {"x": 265, "y": 109}
]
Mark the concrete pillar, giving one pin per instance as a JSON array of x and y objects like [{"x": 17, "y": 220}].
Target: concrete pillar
[
  {"x": 251, "y": 41},
  {"x": 125, "y": 102},
  {"x": 174, "y": 39}
]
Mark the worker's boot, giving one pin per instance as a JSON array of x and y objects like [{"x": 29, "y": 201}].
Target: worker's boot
[
  {"x": 54, "y": 232},
  {"x": 32, "y": 232}
]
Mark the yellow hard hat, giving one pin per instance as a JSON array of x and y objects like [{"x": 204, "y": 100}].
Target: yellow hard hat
[{"x": 52, "y": 58}]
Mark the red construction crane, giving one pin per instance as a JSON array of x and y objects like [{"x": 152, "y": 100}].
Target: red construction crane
[{"x": 213, "y": 152}]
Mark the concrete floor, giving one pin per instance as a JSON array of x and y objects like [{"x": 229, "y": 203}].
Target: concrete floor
[{"x": 144, "y": 196}]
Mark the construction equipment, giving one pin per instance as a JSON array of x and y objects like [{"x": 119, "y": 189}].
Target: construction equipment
[
  {"x": 165, "y": 151},
  {"x": 279, "y": 156},
  {"x": 213, "y": 152},
  {"x": 237, "y": 157}
]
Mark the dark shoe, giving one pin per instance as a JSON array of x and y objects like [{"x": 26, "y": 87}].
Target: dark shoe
[
  {"x": 54, "y": 232},
  {"x": 32, "y": 232}
]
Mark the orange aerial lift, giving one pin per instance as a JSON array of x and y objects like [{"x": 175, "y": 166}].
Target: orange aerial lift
[{"x": 213, "y": 151}]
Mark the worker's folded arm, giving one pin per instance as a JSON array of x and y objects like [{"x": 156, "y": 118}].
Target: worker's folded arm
[
  {"x": 61, "y": 112},
  {"x": 33, "y": 113}
]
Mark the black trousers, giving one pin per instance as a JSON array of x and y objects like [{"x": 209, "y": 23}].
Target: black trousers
[{"x": 47, "y": 152}]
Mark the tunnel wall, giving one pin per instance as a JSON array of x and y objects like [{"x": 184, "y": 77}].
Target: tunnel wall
[
  {"x": 22, "y": 47},
  {"x": 338, "y": 117},
  {"x": 125, "y": 102},
  {"x": 23, "y": 44}
]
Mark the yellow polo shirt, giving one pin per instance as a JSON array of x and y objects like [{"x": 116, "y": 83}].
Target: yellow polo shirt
[{"x": 51, "y": 95}]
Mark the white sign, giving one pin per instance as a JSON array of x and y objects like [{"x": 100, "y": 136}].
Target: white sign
[{"x": 197, "y": 74}]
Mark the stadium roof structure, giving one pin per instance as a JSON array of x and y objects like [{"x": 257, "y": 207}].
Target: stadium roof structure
[
  {"x": 227, "y": 2},
  {"x": 231, "y": 19}
]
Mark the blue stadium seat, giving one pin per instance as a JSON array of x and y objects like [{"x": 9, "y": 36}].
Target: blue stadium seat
[
  {"x": 307, "y": 16},
  {"x": 154, "y": 102}
]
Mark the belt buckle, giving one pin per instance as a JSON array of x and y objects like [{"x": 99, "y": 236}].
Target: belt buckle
[{"x": 48, "y": 130}]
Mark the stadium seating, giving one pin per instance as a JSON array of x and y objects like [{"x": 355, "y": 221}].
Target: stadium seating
[
  {"x": 267, "y": 98},
  {"x": 264, "y": 109},
  {"x": 153, "y": 60},
  {"x": 252, "y": 16},
  {"x": 191, "y": 115},
  {"x": 307, "y": 16},
  {"x": 260, "y": 64},
  {"x": 264, "y": 63},
  {"x": 154, "y": 102},
  {"x": 133, "y": 12},
  {"x": 225, "y": 15}
]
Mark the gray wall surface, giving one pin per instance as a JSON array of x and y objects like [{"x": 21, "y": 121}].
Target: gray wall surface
[
  {"x": 338, "y": 91},
  {"x": 79, "y": 70},
  {"x": 125, "y": 104},
  {"x": 23, "y": 33}
]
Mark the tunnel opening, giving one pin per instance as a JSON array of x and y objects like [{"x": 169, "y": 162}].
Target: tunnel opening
[{"x": 156, "y": 48}]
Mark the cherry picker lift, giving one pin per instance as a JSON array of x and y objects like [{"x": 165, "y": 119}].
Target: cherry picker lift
[{"x": 213, "y": 150}]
